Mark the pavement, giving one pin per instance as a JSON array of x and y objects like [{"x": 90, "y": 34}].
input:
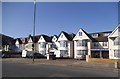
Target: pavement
[{"x": 63, "y": 62}]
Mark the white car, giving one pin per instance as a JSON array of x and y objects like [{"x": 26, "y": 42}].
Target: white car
[{"x": 81, "y": 57}]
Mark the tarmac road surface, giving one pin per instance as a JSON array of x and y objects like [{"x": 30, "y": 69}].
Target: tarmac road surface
[{"x": 13, "y": 69}]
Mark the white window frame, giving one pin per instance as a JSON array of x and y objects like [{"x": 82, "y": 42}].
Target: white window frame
[
  {"x": 81, "y": 43},
  {"x": 96, "y": 44},
  {"x": 117, "y": 41},
  {"x": 117, "y": 53},
  {"x": 42, "y": 45},
  {"x": 80, "y": 33},
  {"x": 63, "y": 43},
  {"x": 95, "y": 35},
  {"x": 106, "y": 34},
  {"x": 81, "y": 52},
  {"x": 104, "y": 44}
]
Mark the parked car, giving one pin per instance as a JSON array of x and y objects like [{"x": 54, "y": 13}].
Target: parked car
[
  {"x": 36, "y": 55},
  {"x": 5, "y": 55},
  {"x": 81, "y": 57}
]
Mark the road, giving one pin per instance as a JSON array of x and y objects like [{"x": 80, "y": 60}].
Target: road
[{"x": 10, "y": 69}]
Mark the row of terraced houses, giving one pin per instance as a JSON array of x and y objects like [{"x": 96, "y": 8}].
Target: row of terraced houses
[{"x": 95, "y": 45}]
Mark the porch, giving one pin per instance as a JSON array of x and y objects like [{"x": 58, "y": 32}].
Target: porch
[{"x": 100, "y": 53}]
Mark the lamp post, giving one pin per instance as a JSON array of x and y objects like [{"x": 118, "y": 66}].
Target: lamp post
[{"x": 33, "y": 45}]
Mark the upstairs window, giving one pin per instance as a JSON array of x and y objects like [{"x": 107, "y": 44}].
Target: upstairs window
[
  {"x": 96, "y": 44},
  {"x": 81, "y": 43},
  {"x": 80, "y": 33},
  {"x": 42, "y": 45},
  {"x": 95, "y": 35},
  {"x": 106, "y": 34},
  {"x": 63, "y": 44},
  {"x": 29, "y": 45},
  {"x": 61, "y": 36},
  {"x": 53, "y": 45},
  {"x": 104, "y": 43},
  {"x": 117, "y": 41}
]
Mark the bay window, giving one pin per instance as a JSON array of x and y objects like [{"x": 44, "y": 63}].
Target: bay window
[
  {"x": 42, "y": 45},
  {"x": 29, "y": 45},
  {"x": 117, "y": 53},
  {"x": 81, "y": 52},
  {"x": 63, "y": 44},
  {"x": 117, "y": 41},
  {"x": 81, "y": 43}
]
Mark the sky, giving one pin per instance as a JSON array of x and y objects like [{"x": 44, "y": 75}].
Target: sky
[{"x": 54, "y": 17}]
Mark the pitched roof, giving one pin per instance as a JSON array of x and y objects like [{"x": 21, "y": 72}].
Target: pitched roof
[
  {"x": 118, "y": 26},
  {"x": 36, "y": 38},
  {"x": 6, "y": 40},
  {"x": 19, "y": 40},
  {"x": 68, "y": 36},
  {"x": 13, "y": 41},
  {"x": 47, "y": 38},
  {"x": 101, "y": 37},
  {"x": 24, "y": 40},
  {"x": 55, "y": 36},
  {"x": 87, "y": 34}
]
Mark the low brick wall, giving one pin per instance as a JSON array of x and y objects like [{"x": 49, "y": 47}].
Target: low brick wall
[{"x": 103, "y": 60}]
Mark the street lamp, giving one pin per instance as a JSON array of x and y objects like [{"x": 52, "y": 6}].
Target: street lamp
[{"x": 33, "y": 45}]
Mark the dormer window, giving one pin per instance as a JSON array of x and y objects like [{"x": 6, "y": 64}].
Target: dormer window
[
  {"x": 95, "y": 35},
  {"x": 80, "y": 33},
  {"x": 106, "y": 34}
]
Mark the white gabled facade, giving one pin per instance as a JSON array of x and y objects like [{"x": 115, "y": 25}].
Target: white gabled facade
[
  {"x": 43, "y": 45},
  {"x": 114, "y": 43},
  {"x": 82, "y": 44},
  {"x": 65, "y": 46},
  {"x": 18, "y": 45},
  {"x": 96, "y": 45},
  {"x": 28, "y": 46},
  {"x": 54, "y": 46}
]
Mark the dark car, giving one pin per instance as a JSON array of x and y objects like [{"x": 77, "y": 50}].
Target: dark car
[
  {"x": 5, "y": 55},
  {"x": 36, "y": 55}
]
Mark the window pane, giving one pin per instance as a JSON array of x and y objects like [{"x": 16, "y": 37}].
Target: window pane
[
  {"x": 63, "y": 44},
  {"x": 42, "y": 45},
  {"x": 117, "y": 53},
  {"x": 80, "y": 33},
  {"x": 81, "y": 52},
  {"x": 117, "y": 41},
  {"x": 81, "y": 43}
]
